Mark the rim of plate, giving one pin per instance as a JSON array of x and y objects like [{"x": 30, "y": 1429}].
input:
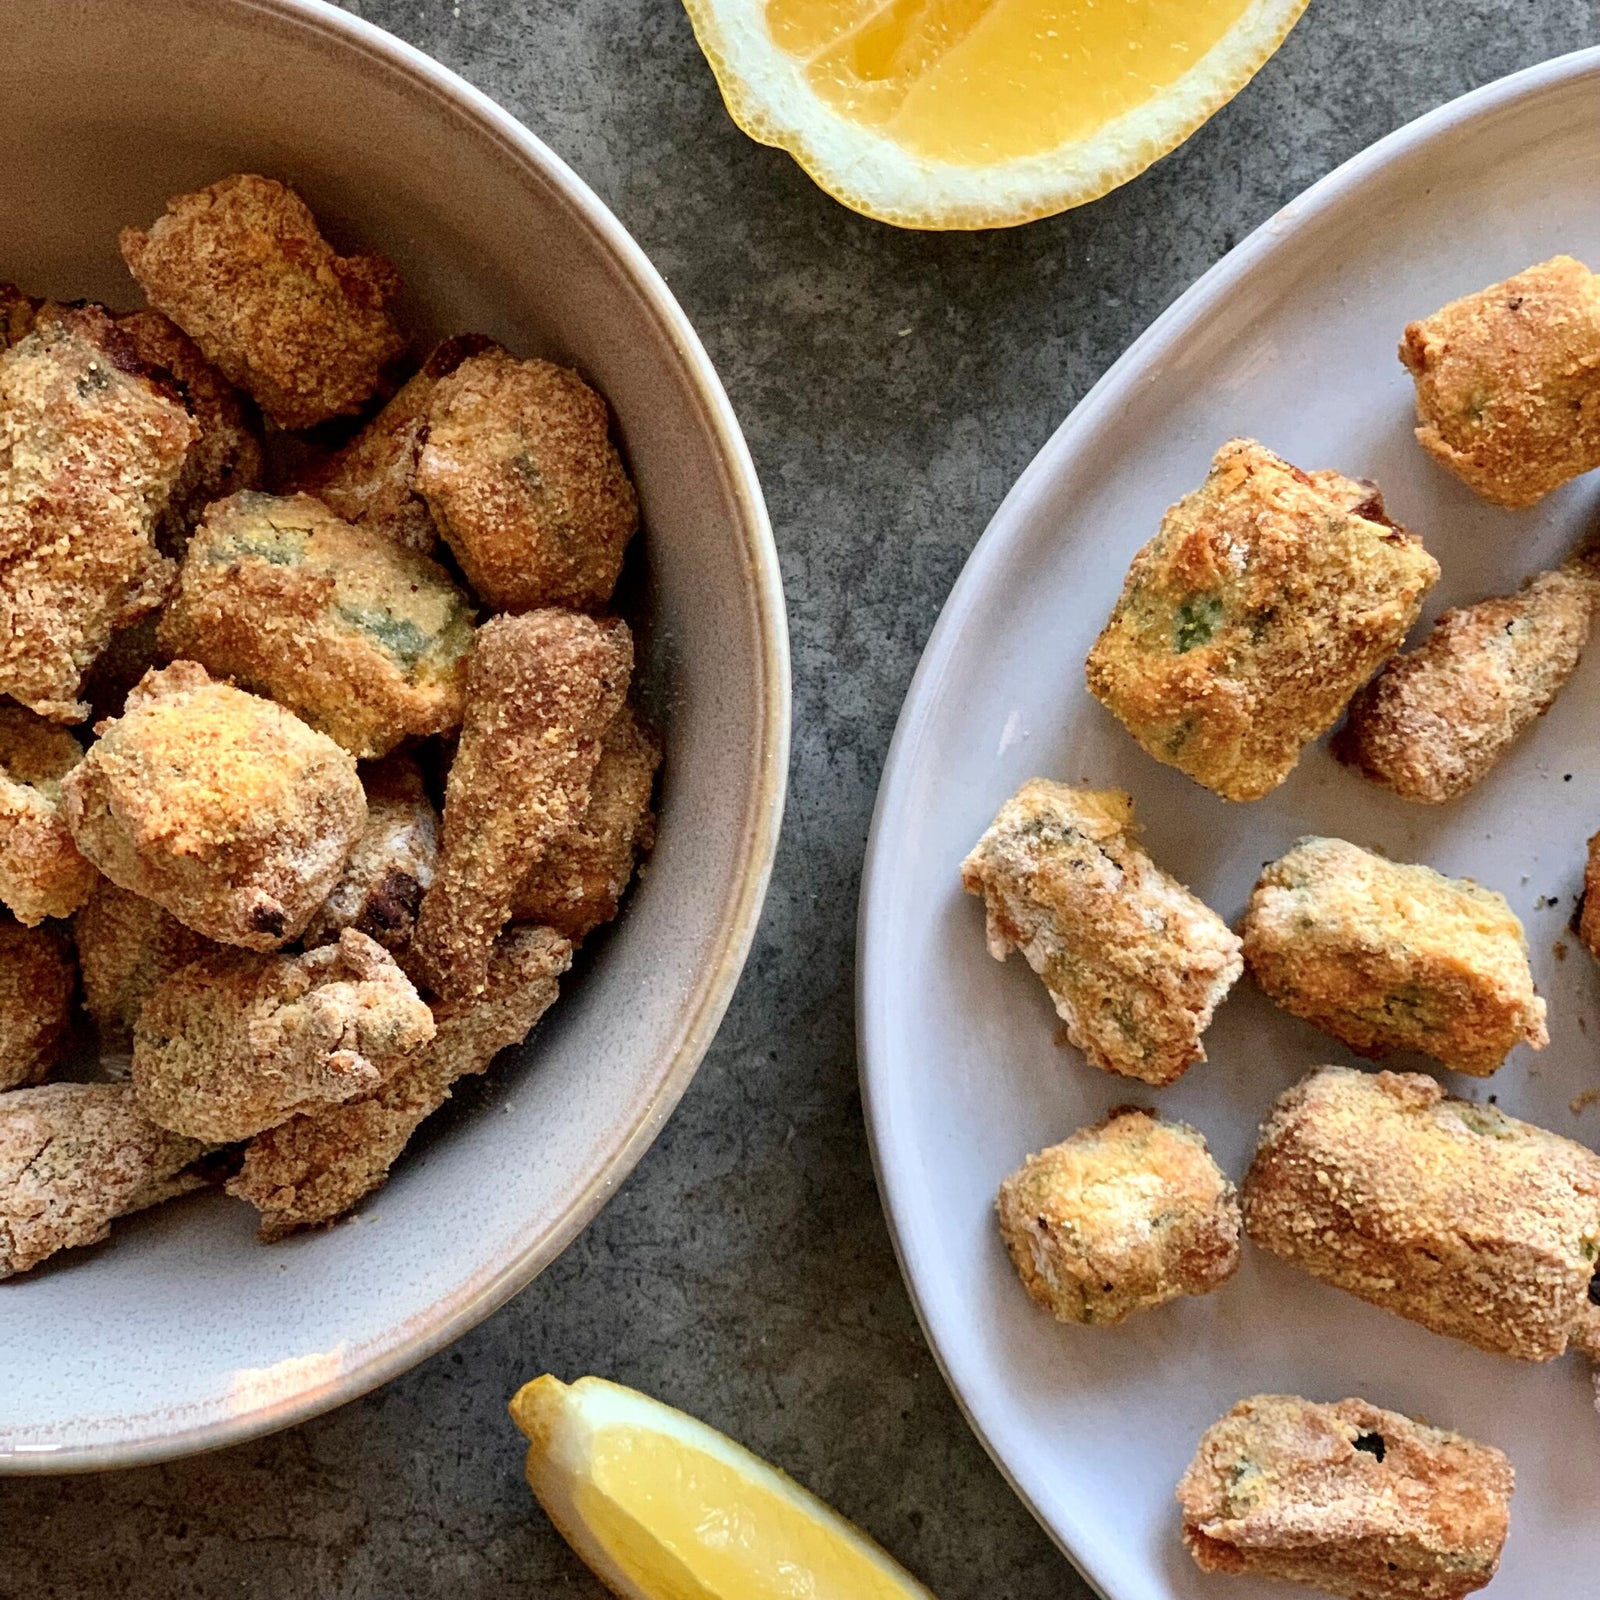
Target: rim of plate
[
  {"x": 403, "y": 1346},
  {"x": 1196, "y": 302}
]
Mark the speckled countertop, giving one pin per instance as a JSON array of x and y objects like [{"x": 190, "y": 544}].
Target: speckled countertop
[{"x": 892, "y": 385}]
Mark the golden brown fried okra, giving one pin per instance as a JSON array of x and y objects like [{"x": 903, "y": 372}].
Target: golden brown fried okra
[
  {"x": 242, "y": 268},
  {"x": 525, "y": 484},
  {"x": 366, "y": 641},
  {"x": 315, "y": 1166},
  {"x": 1387, "y": 956},
  {"x": 17, "y": 311},
  {"x": 1450, "y": 1214},
  {"x": 1267, "y": 598},
  {"x": 1122, "y": 1216},
  {"x": 90, "y": 453},
  {"x": 36, "y": 987},
  {"x": 222, "y": 807},
  {"x": 237, "y": 1041},
  {"x": 1589, "y": 907},
  {"x": 1508, "y": 382},
  {"x": 1347, "y": 1498},
  {"x": 73, "y": 1158},
  {"x": 1135, "y": 964},
  {"x": 578, "y": 883},
  {"x": 541, "y": 693},
  {"x": 41, "y": 872}
]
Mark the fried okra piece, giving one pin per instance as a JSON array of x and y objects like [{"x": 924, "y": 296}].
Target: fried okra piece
[
  {"x": 1120, "y": 1217},
  {"x": 315, "y": 1166},
  {"x": 1267, "y": 598},
  {"x": 542, "y": 691},
  {"x": 1508, "y": 382},
  {"x": 392, "y": 864},
  {"x": 1436, "y": 719},
  {"x": 372, "y": 482},
  {"x": 243, "y": 269},
  {"x": 127, "y": 946},
  {"x": 239, "y": 1041},
  {"x": 1448, "y": 1213},
  {"x": 17, "y": 311},
  {"x": 1134, "y": 963},
  {"x": 579, "y": 882},
  {"x": 1347, "y": 1498},
  {"x": 364, "y": 640},
  {"x": 1588, "y": 920},
  {"x": 221, "y": 806},
  {"x": 525, "y": 484},
  {"x": 1387, "y": 956},
  {"x": 41, "y": 872},
  {"x": 37, "y": 982},
  {"x": 91, "y": 450}
]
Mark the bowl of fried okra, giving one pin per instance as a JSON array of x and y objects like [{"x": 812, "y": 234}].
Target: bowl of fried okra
[{"x": 393, "y": 721}]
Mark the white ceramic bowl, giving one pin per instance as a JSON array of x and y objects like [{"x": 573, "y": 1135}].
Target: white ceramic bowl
[{"x": 182, "y": 1333}]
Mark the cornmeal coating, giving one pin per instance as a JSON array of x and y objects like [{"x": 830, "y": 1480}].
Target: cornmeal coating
[
  {"x": 525, "y": 484},
  {"x": 242, "y": 268},
  {"x": 366, "y": 641},
  {"x": 1589, "y": 907},
  {"x": 41, "y": 872},
  {"x": 1120, "y": 1217},
  {"x": 542, "y": 691},
  {"x": 373, "y": 480},
  {"x": 1508, "y": 382},
  {"x": 1387, "y": 956},
  {"x": 314, "y": 1167},
  {"x": 392, "y": 864},
  {"x": 91, "y": 450},
  {"x": 222, "y": 807},
  {"x": 1135, "y": 964},
  {"x": 37, "y": 981},
  {"x": 579, "y": 882},
  {"x": 127, "y": 946},
  {"x": 73, "y": 1158},
  {"x": 1436, "y": 719},
  {"x": 1448, "y": 1213},
  {"x": 1267, "y": 598},
  {"x": 1347, "y": 1498},
  {"x": 238, "y": 1041}
]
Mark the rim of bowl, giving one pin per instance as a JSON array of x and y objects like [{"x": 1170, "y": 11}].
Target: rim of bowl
[{"x": 445, "y": 1321}]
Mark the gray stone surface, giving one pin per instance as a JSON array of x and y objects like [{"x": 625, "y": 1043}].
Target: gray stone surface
[{"x": 892, "y": 385}]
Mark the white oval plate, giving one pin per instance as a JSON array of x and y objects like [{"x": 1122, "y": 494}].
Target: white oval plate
[{"x": 1291, "y": 339}]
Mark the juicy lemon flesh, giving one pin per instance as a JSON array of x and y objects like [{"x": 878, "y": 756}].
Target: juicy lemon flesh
[{"x": 976, "y": 82}]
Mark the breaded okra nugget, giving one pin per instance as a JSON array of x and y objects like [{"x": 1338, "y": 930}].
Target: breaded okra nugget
[
  {"x": 1436, "y": 719},
  {"x": 373, "y": 480},
  {"x": 41, "y": 872},
  {"x": 76, "y": 1156},
  {"x": 242, "y": 268},
  {"x": 542, "y": 691},
  {"x": 126, "y": 946},
  {"x": 36, "y": 986},
  {"x": 315, "y": 1166},
  {"x": 1447, "y": 1213},
  {"x": 222, "y": 807},
  {"x": 1508, "y": 382},
  {"x": 525, "y": 484},
  {"x": 366, "y": 641},
  {"x": 1268, "y": 597},
  {"x": 1122, "y": 1216},
  {"x": 578, "y": 883},
  {"x": 237, "y": 1041},
  {"x": 1348, "y": 1498},
  {"x": 1135, "y": 964},
  {"x": 1589, "y": 906},
  {"x": 1387, "y": 956},
  {"x": 17, "y": 311},
  {"x": 91, "y": 450},
  {"x": 392, "y": 864}
]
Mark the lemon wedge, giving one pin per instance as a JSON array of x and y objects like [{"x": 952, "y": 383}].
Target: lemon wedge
[
  {"x": 662, "y": 1507},
  {"x": 980, "y": 113}
]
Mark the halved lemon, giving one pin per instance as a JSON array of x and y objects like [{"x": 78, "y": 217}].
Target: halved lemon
[
  {"x": 980, "y": 113},
  {"x": 662, "y": 1507}
]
